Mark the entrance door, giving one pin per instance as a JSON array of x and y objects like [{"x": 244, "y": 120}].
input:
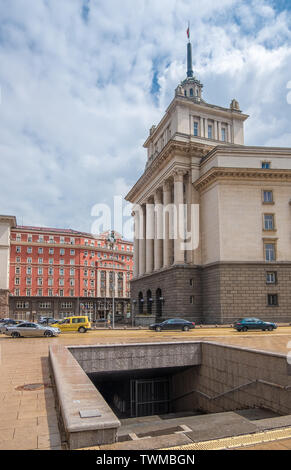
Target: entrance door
[{"x": 149, "y": 397}]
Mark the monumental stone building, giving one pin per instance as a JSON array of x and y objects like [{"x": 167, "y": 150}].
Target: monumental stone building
[
  {"x": 59, "y": 272},
  {"x": 242, "y": 264}
]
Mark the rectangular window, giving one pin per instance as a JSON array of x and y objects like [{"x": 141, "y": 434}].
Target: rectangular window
[
  {"x": 17, "y": 270},
  {"x": 271, "y": 277},
  {"x": 62, "y": 261},
  {"x": 29, "y": 238},
  {"x": 51, "y": 261},
  {"x": 50, "y": 293},
  {"x": 18, "y": 249},
  {"x": 28, "y": 270},
  {"x": 61, "y": 293},
  {"x": 223, "y": 134},
  {"x": 28, "y": 281},
  {"x": 66, "y": 305},
  {"x": 22, "y": 305},
  {"x": 209, "y": 132},
  {"x": 17, "y": 281},
  {"x": 195, "y": 129},
  {"x": 62, "y": 239},
  {"x": 273, "y": 300},
  {"x": 51, "y": 251},
  {"x": 28, "y": 292},
  {"x": 40, "y": 251},
  {"x": 51, "y": 271},
  {"x": 268, "y": 197},
  {"x": 17, "y": 292},
  {"x": 62, "y": 251},
  {"x": 61, "y": 282},
  {"x": 61, "y": 271},
  {"x": 40, "y": 271},
  {"x": 72, "y": 252},
  {"x": 269, "y": 222},
  {"x": 29, "y": 249},
  {"x": 18, "y": 259},
  {"x": 50, "y": 281},
  {"x": 39, "y": 292},
  {"x": 270, "y": 252},
  {"x": 29, "y": 260},
  {"x": 39, "y": 281}
]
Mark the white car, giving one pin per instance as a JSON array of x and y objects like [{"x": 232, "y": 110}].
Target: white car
[{"x": 31, "y": 329}]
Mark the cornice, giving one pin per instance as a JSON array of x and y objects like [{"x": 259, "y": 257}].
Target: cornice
[
  {"x": 172, "y": 148},
  {"x": 257, "y": 174}
]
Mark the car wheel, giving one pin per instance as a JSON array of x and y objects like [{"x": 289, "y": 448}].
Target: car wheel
[
  {"x": 82, "y": 329},
  {"x": 48, "y": 333},
  {"x": 270, "y": 328},
  {"x": 15, "y": 334},
  {"x": 185, "y": 328},
  {"x": 244, "y": 329},
  {"x": 158, "y": 328}
]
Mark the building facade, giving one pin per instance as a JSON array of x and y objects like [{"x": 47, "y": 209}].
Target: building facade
[
  {"x": 241, "y": 265},
  {"x": 55, "y": 272}
]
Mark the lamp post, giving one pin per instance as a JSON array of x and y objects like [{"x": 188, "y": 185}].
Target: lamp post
[{"x": 111, "y": 240}]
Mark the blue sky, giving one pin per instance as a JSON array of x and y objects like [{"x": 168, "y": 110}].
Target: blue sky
[{"x": 82, "y": 81}]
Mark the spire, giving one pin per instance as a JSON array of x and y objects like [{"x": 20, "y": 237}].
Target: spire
[{"x": 189, "y": 55}]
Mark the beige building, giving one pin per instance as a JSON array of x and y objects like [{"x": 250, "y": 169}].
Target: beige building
[{"x": 241, "y": 263}]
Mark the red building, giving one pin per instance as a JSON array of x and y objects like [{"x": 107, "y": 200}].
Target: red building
[{"x": 56, "y": 272}]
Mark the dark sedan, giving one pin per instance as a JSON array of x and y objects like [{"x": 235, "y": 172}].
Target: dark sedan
[
  {"x": 173, "y": 324},
  {"x": 246, "y": 324}
]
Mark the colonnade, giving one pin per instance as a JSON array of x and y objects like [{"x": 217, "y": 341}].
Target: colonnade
[{"x": 160, "y": 225}]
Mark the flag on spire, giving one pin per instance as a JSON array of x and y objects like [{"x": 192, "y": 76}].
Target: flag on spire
[{"x": 188, "y": 31}]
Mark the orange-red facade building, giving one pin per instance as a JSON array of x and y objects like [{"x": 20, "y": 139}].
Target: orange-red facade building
[{"x": 55, "y": 272}]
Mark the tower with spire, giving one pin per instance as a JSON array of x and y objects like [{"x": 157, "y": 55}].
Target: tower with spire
[{"x": 191, "y": 87}]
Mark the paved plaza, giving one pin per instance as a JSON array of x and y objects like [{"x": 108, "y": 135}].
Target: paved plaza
[{"x": 28, "y": 418}]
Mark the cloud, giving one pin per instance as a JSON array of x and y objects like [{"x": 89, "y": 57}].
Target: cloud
[{"x": 82, "y": 83}]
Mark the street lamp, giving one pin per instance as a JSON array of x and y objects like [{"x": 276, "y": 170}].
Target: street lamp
[{"x": 111, "y": 240}]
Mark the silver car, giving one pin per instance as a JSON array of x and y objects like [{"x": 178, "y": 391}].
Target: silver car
[{"x": 31, "y": 329}]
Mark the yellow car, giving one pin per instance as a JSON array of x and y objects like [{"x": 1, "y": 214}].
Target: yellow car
[{"x": 80, "y": 324}]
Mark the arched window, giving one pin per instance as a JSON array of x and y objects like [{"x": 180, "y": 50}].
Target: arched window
[
  {"x": 140, "y": 303},
  {"x": 185, "y": 92},
  {"x": 159, "y": 302},
  {"x": 191, "y": 91},
  {"x": 149, "y": 302}
]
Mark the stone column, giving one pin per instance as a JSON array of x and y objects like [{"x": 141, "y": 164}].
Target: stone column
[
  {"x": 150, "y": 233},
  {"x": 142, "y": 241},
  {"x": 215, "y": 130},
  {"x": 219, "y": 130},
  {"x": 201, "y": 127},
  {"x": 189, "y": 202},
  {"x": 206, "y": 128},
  {"x": 228, "y": 133},
  {"x": 136, "y": 244},
  {"x": 166, "y": 219},
  {"x": 180, "y": 216},
  {"x": 158, "y": 240}
]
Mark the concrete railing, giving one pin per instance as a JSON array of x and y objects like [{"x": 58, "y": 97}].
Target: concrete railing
[{"x": 85, "y": 417}]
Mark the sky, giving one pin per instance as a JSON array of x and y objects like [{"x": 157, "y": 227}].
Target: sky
[{"x": 82, "y": 82}]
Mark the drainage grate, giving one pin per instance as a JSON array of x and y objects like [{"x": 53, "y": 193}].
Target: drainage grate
[
  {"x": 32, "y": 387},
  {"x": 237, "y": 441}
]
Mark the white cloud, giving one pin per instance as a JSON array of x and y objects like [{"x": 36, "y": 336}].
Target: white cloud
[{"x": 76, "y": 95}]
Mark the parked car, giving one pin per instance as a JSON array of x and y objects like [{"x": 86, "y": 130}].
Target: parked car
[
  {"x": 7, "y": 323},
  {"x": 246, "y": 324},
  {"x": 78, "y": 323},
  {"x": 173, "y": 324},
  {"x": 31, "y": 329},
  {"x": 47, "y": 321}
]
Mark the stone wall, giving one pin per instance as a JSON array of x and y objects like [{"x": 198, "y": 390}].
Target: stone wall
[
  {"x": 221, "y": 293},
  {"x": 141, "y": 356},
  {"x": 178, "y": 284},
  {"x": 4, "y": 303},
  {"x": 232, "y": 378}
]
